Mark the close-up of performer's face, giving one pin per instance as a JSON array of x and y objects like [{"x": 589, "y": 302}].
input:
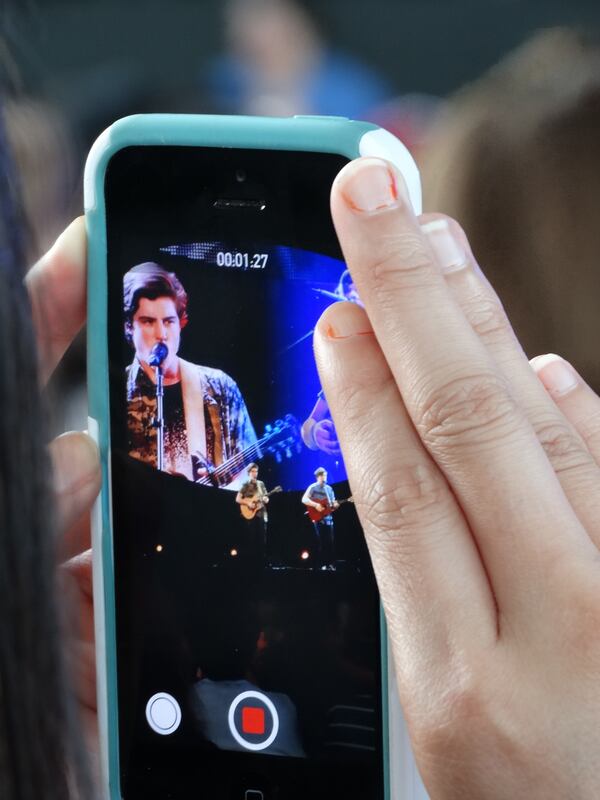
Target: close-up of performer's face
[{"x": 156, "y": 321}]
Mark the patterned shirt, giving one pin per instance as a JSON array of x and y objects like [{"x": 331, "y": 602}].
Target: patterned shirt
[{"x": 229, "y": 430}]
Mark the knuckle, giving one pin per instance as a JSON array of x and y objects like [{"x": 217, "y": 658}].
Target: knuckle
[
  {"x": 466, "y": 410},
  {"x": 487, "y": 318},
  {"x": 590, "y": 432},
  {"x": 476, "y": 708},
  {"x": 580, "y": 640},
  {"x": 352, "y": 402},
  {"x": 461, "y": 706},
  {"x": 349, "y": 402},
  {"x": 404, "y": 498},
  {"x": 402, "y": 258},
  {"x": 563, "y": 449},
  {"x": 579, "y": 618},
  {"x": 580, "y": 632}
]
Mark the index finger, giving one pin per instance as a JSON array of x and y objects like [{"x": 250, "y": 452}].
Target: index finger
[
  {"x": 57, "y": 290},
  {"x": 457, "y": 398}
]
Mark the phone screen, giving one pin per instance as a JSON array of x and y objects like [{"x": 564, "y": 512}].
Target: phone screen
[{"x": 247, "y": 615}]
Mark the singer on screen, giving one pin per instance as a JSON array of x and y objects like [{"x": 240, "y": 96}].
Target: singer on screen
[{"x": 204, "y": 417}]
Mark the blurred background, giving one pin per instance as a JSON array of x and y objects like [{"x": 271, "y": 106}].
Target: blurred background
[
  {"x": 94, "y": 60},
  {"x": 73, "y": 66}
]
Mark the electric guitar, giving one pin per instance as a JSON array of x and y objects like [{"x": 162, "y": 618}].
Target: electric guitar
[
  {"x": 280, "y": 439},
  {"x": 250, "y": 513},
  {"x": 317, "y": 516}
]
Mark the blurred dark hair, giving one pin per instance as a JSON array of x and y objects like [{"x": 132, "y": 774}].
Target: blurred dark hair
[
  {"x": 152, "y": 281},
  {"x": 41, "y": 751},
  {"x": 516, "y": 159}
]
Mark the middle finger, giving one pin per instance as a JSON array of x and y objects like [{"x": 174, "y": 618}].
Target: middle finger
[
  {"x": 572, "y": 461},
  {"x": 457, "y": 398}
]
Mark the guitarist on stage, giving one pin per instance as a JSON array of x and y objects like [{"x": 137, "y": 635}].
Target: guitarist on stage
[
  {"x": 319, "y": 495},
  {"x": 253, "y": 494}
]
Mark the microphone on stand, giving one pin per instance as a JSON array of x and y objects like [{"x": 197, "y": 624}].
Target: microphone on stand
[{"x": 158, "y": 354}]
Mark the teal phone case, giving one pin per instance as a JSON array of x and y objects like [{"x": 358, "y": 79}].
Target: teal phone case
[{"x": 315, "y": 134}]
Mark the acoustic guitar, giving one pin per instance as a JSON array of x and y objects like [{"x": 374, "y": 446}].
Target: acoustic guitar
[
  {"x": 317, "y": 516},
  {"x": 250, "y": 513},
  {"x": 280, "y": 439}
]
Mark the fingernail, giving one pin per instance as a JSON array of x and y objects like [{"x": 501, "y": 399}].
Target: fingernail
[
  {"x": 345, "y": 320},
  {"x": 449, "y": 253},
  {"x": 555, "y": 373},
  {"x": 75, "y": 459},
  {"x": 372, "y": 186}
]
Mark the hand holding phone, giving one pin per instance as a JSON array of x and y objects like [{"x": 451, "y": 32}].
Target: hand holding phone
[{"x": 484, "y": 540}]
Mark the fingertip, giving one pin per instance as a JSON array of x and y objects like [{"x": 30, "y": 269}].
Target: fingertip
[
  {"x": 71, "y": 244},
  {"x": 76, "y": 463},
  {"x": 343, "y": 320},
  {"x": 369, "y": 185},
  {"x": 69, "y": 252},
  {"x": 449, "y": 243},
  {"x": 432, "y": 222},
  {"x": 539, "y": 362},
  {"x": 57, "y": 290},
  {"x": 557, "y": 375},
  {"x": 80, "y": 566}
]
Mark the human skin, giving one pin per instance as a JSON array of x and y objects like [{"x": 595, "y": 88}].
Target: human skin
[
  {"x": 481, "y": 512},
  {"x": 325, "y": 437},
  {"x": 57, "y": 290},
  {"x": 156, "y": 321},
  {"x": 318, "y": 431},
  {"x": 253, "y": 476}
]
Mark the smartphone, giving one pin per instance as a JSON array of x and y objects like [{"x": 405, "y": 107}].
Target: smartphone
[{"x": 240, "y": 641}]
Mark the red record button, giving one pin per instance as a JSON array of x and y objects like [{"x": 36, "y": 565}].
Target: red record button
[{"x": 253, "y": 720}]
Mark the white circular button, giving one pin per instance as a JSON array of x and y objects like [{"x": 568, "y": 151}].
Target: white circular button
[{"x": 163, "y": 713}]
